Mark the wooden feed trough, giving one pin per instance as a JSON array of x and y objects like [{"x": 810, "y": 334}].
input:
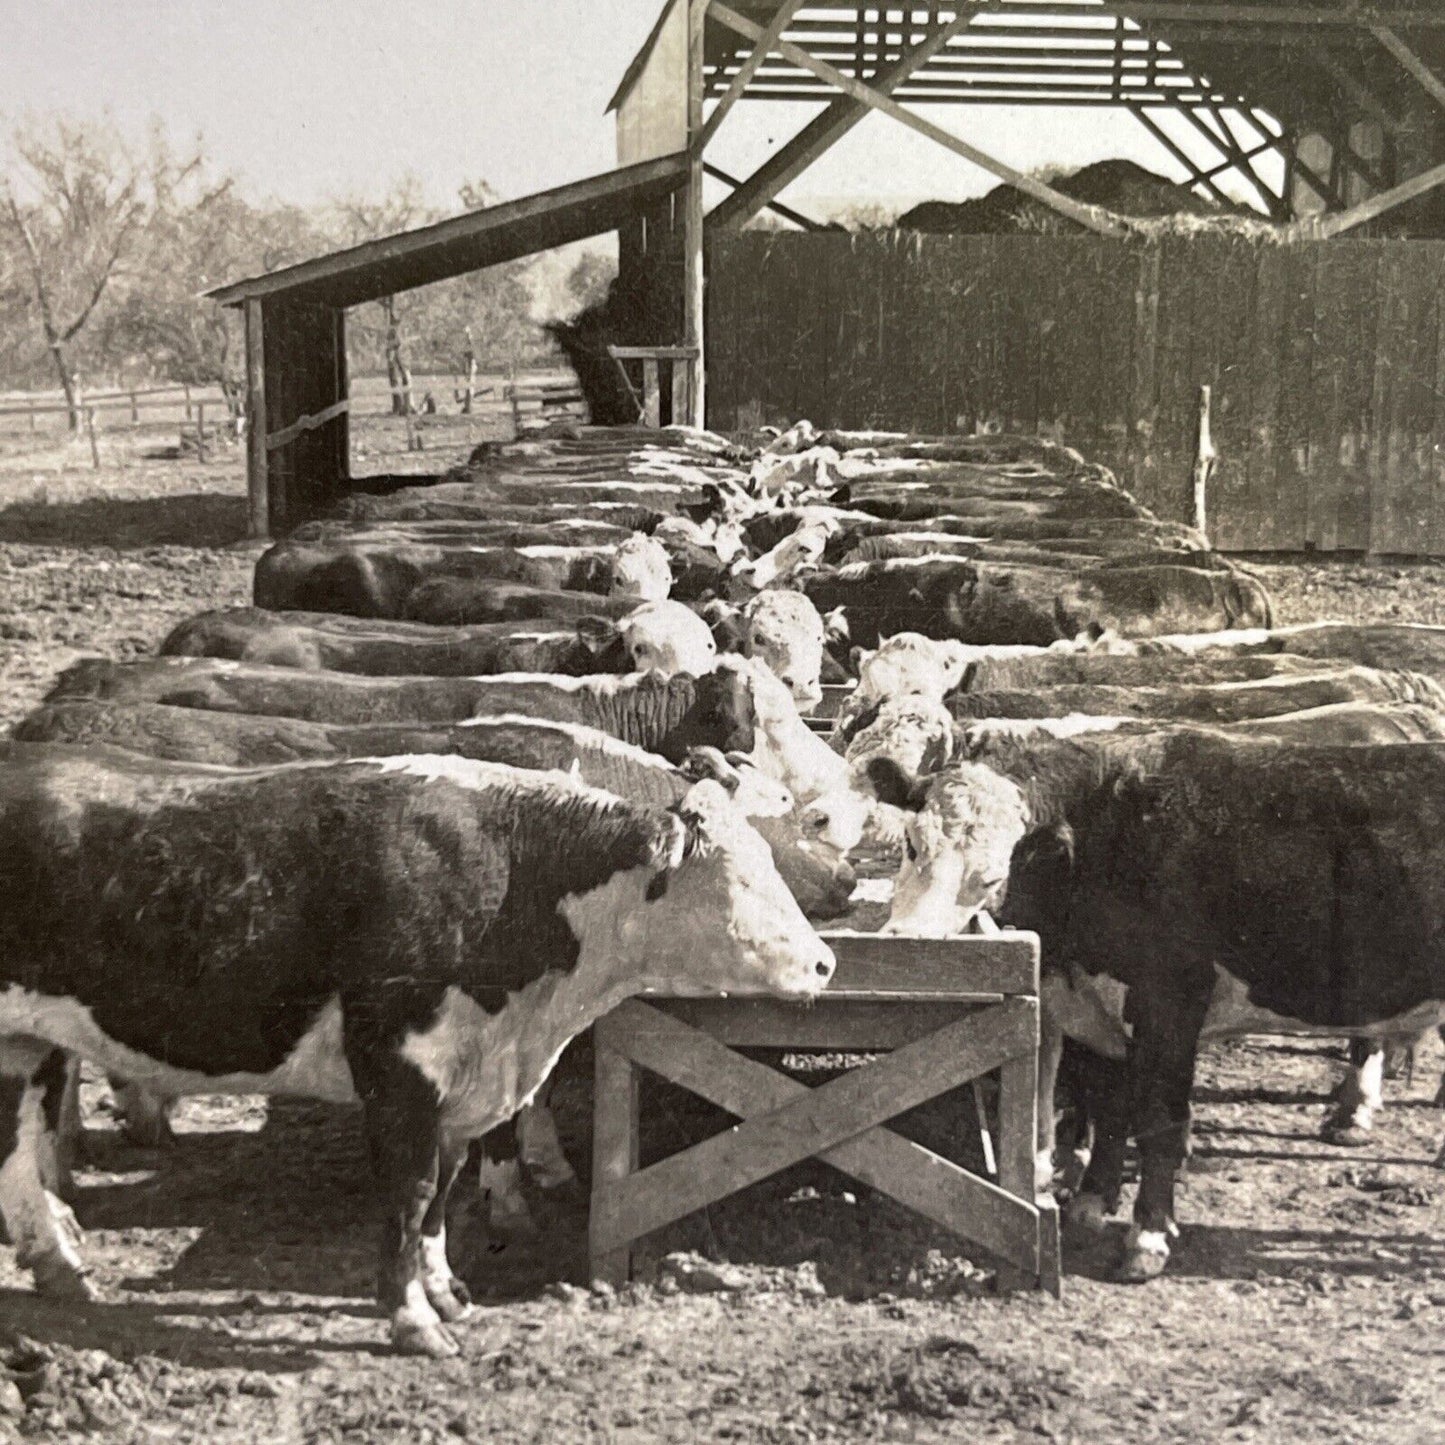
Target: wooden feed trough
[{"x": 946, "y": 1010}]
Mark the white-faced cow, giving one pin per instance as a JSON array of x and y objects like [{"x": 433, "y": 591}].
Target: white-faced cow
[
  {"x": 1223, "y": 884},
  {"x": 421, "y": 934}
]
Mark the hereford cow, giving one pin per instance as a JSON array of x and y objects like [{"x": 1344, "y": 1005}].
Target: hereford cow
[
  {"x": 662, "y": 635},
  {"x": 1229, "y": 885},
  {"x": 664, "y": 715},
  {"x": 423, "y": 934},
  {"x": 996, "y": 603},
  {"x": 785, "y": 632}
]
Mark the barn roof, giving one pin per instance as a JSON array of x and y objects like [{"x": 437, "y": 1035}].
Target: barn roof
[
  {"x": 630, "y": 75},
  {"x": 467, "y": 243}
]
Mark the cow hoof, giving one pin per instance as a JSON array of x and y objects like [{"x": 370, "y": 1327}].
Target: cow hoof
[
  {"x": 1088, "y": 1211},
  {"x": 453, "y": 1302},
  {"x": 59, "y": 1279},
  {"x": 411, "y": 1336},
  {"x": 1346, "y": 1134},
  {"x": 1140, "y": 1265}
]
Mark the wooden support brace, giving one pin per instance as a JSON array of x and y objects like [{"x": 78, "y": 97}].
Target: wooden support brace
[
  {"x": 1093, "y": 218},
  {"x": 786, "y": 1122},
  {"x": 1321, "y": 228},
  {"x": 820, "y": 134},
  {"x": 1178, "y": 152},
  {"x": 307, "y": 423},
  {"x": 749, "y": 68},
  {"x": 1409, "y": 61}
]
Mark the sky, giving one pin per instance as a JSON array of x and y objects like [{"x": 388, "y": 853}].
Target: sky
[{"x": 309, "y": 99}]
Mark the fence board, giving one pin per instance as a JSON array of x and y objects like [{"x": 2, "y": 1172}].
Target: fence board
[{"x": 1326, "y": 358}]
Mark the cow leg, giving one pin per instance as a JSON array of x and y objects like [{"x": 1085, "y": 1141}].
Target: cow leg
[
  {"x": 62, "y": 1113},
  {"x": 540, "y": 1147},
  {"x": 1051, "y": 1053},
  {"x": 448, "y": 1295},
  {"x": 1162, "y": 1054},
  {"x": 1103, "y": 1095},
  {"x": 403, "y": 1133},
  {"x": 143, "y": 1118},
  {"x": 42, "y": 1228},
  {"x": 499, "y": 1181},
  {"x": 1361, "y": 1092}
]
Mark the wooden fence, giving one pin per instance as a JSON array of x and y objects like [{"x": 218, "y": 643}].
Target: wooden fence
[{"x": 1327, "y": 361}]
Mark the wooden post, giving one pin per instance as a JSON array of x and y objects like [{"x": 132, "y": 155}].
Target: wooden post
[
  {"x": 257, "y": 484},
  {"x": 692, "y": 229},
  {"x": 90, "y": 432},
  {"x": 516, "y": 400},
  {"x": 1018, "y": 1133},
  {"x": 186, "y": 386},
  {"x": 201, "y": 431},
  {"x": 1204, "y": 459},
  {"x": 134, "y": 410},
  {"x": 615, "y": 1135},
  {"x": 679, "y": 392},
  {"x": 651, "y": 394}
]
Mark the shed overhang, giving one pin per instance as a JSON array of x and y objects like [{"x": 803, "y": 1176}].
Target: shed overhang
[{"x": 467, "y": 243}]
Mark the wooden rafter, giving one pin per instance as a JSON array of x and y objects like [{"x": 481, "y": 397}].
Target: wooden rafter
[
  {"x": 1323, "y": 227},
  {"x": 786, "y": 212},
  {"x": 1227, "y": 148},
  {"x": 1409, "y": 61},
  {"x": 1091, "y": 217},
  {"x": 743, "y": 78},
  {"x": 1197, "y": 175},
  {"x": 820, "y": 134}
]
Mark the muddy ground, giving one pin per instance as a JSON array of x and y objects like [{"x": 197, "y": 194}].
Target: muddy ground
[{"x": 1306, "y": 1300}]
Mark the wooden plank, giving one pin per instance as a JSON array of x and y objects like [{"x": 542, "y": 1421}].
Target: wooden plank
[
  {"x": 998, "y": 963},
  {"x": 1433, "y": 258},
  {"x": 1257, "y": 522},
  {"x": 651, "y": 395},
  {"x": 1017, "y": 1138},
  {"x": 1384, "y": 462},
  {"x": 721, "y": 323},
  {"x": 830, "y": 1023},
  {"x": 812, "y": 1123},
  {"x": 693, "y": 269},
  {"x": 1362, "y": 300},
  {"x": 808, "y": 359},
  {"x": 1144, "y": 374},
  {"x": 307, "y": 423},
  {"x": 615, "y": 1140},
  {"x": 1295, "y": 399},
  {"x": 1092, "y": 217},
  {"x": 654, "y": 353},
  {"x": 1006, "y": 1225},
  {"x": 257, "y": 489}
]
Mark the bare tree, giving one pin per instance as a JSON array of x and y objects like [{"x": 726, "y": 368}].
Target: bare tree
[
  {"x": 76, "y": 211},
  {"x": 361, "y": 220}
]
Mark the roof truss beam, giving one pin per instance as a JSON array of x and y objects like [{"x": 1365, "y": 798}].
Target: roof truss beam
[
  {"x": 1321, "y": 228},
  {"x": 820, "y": 134},
  {"x": 743, "y": 78},
  {"x": 1410, "y": 62},
  {"x": 1091, "y": 217}
]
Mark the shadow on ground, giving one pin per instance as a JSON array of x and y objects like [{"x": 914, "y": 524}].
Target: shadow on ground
[{"x": 196, "y": 519}]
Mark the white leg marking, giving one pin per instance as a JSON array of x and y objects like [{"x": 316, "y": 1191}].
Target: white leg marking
[
  {"x": 42, "y": 1228},
  {"x": 1372, "y": 1081},
  {"x": 540, "y": 1148},
  {"x": 416, "y": 1328},
  {"x": 438, "y": 1280},
  {"x": 1150, "y": 1241}
]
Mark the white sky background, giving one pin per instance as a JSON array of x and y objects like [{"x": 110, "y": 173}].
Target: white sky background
[{"x": 306, "y": 99}]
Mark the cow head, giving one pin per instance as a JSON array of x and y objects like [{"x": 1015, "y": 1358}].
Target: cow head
[
  {"x": 711, "y": 882},
  {"x": 720, "y": 715},
  {"x": 669, "y": 638},
  {"x": 640, "y": 568},
  {"x": 960, "y": 830},
  {"x": 784, "y": 630}
]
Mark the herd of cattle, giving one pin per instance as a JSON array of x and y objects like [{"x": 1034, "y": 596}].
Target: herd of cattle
[{"x": 490, "y": 754}]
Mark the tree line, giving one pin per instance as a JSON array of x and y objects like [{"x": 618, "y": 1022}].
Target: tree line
[{"x": 107, "y": 249}]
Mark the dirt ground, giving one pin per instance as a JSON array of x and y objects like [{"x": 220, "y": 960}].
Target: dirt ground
[{"x": 1305, "y": 1301}]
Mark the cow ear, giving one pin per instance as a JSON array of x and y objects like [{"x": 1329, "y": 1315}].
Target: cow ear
[
  {"x": 835, "y": 625},
  {"x": 670, "y": 844},
  {"x": 965, "y": 683},
  {"x": 596, "y": 633},
  {"x": 841, "y": 496},
  {"x": 705, "y": 762},
  {"x": 895, "y": 786},
  {"x": 857, "y": 656}
]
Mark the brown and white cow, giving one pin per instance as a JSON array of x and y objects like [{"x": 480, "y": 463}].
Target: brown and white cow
[{"x": 424, "y": 934}]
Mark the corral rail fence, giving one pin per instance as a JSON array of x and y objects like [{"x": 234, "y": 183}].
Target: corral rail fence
[{"x": 1326, "y": 358}]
